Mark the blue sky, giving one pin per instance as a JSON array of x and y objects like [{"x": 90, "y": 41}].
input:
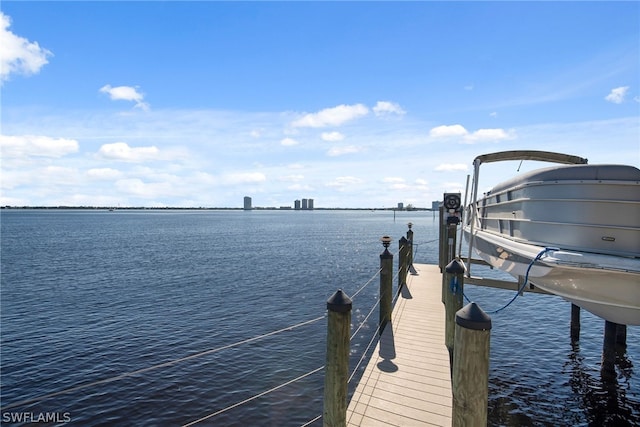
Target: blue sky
[{"x": 359, "y": 104}]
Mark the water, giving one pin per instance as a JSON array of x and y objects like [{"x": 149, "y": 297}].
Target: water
[{"x": 88, "y": 296}]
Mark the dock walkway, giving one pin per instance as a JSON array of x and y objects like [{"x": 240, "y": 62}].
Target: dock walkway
[{"x": 407, "y": 381}]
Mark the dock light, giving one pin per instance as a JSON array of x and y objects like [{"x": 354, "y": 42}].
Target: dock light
[
  {"x": 386, "y": 241},
  {"x": 452, "y": 201}
]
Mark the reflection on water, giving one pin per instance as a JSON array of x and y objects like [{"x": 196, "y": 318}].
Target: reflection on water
[
  {"x": 539, "y": 376},
  {"x": 599, "y": 395},
  {"x": 604, "y": 396}
]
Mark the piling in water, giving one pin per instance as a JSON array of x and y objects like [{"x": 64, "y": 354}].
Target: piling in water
[{"x": 575, "y": 323}]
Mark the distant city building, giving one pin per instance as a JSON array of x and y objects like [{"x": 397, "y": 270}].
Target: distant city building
[
  {"x": 435, "y": 205},
  {"x": 247, "y": 203},
  {"x": 400, "y": 206},
  {"x": 305, "y": 204}
]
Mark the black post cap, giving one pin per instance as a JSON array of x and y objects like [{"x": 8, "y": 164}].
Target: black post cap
[
  {"x": 339, "y": 302},
  {"x": 455, "y": 267},
  {"x": 471, "y": 316}
]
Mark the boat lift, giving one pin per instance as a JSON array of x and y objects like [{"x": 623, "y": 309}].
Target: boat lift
[{"x": 451, "y": 216}]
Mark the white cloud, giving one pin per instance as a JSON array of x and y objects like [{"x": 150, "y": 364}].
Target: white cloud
[
  {"x": 393, "y": 179},
  {"x": 344, "y": 181},
  {"x": 125, "y": 93},
  {"x": 399, "y": 186},
  {"x": 448, "y": 131},
  {"x": 332, "y": 136},
  {"x": 487, "y": 135},
  {"x": 332, "y": 116},
  {"x": 459, "y": 131},
  {"x": 244, "y": 178},
  {"x": 617, "y": 95},
  {"x": 17, "y": 54},
  {"x": 104, "y": 173},
  {"x": 420, "y": 181},
  {"x": 451, "y": 167},
  {"x": 59, "y": 175},
  {"x": 147, "y": 190},
  {"x": 288, "y": 142},
  {"x": 123, "y": 152},
  {"x": 299, "y": 187},
  {"x": 339, "y": 151},
  {"x": 36, "y": 146},
  {"x": 386, "y": 107},
  {"x": 291, "y": 178}
]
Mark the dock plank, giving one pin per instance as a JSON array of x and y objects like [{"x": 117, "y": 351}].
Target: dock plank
[{"x": 407, "y": 381}]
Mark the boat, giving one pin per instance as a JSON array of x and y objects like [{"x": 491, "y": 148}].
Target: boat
[{"x": 572, "y": 229}]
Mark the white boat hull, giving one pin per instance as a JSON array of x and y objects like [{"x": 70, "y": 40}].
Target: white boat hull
[
  {"x": 607, "y": 286},
  {"x": 586, "y": 216}
]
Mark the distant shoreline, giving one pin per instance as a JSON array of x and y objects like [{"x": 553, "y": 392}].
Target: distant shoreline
[{"x": 257, "y": 208}]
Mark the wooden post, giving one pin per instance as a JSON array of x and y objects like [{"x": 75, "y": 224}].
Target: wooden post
[
  {"x": 452, "y": 230},
  {"x": 448, "y": 252},
  {"x": 403, "y": 265},
  {"x": 442, "y": 243},
  {"x": 471, "y": 367},
  {"x": 621, "y": 335},
  {"x": 336, "y": 374},
  {"x": 410, "y": 241},
  {"x": 607, "y": 368},
  {"x": 575, "y": 323},
  {"x": 386, "y": 283},
  {"x": 453, "y": 295}
]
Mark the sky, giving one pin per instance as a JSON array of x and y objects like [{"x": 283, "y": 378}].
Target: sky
[{"x": 352, "y": 104}]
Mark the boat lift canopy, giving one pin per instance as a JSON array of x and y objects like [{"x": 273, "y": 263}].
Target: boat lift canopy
[{"x": 542, "y": 156}]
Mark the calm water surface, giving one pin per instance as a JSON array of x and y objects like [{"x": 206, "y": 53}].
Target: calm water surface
[{"x": 121, "y": 300}]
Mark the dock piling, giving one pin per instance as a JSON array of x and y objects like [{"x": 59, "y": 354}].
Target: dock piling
[
  {"x": 607, "y": 368},
  {"x": 403, "y": 265},
  {"x": 449, "y": 252},
  {"x": 337, "y": 361},
  {"x": 410, "y": 243},
  {"x": 621, "y": 335},
  {"x": 452, "y": 295},
  {"x": 575, "y": 323},
  {"x": 386, "y": 282},
  {"x": 471, "y": 367}
]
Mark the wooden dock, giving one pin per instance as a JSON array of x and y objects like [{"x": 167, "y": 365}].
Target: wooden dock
[{"x": 408, "y": 379}]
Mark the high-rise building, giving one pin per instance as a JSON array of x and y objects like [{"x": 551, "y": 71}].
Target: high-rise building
[
  {"x": 247, "y": 203},
  {"x": 296, "y": 205},
  {"x": 305, "y": 204},
  {"x": 400, "y": 206},
  {"x": 310, "y": 204}
]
